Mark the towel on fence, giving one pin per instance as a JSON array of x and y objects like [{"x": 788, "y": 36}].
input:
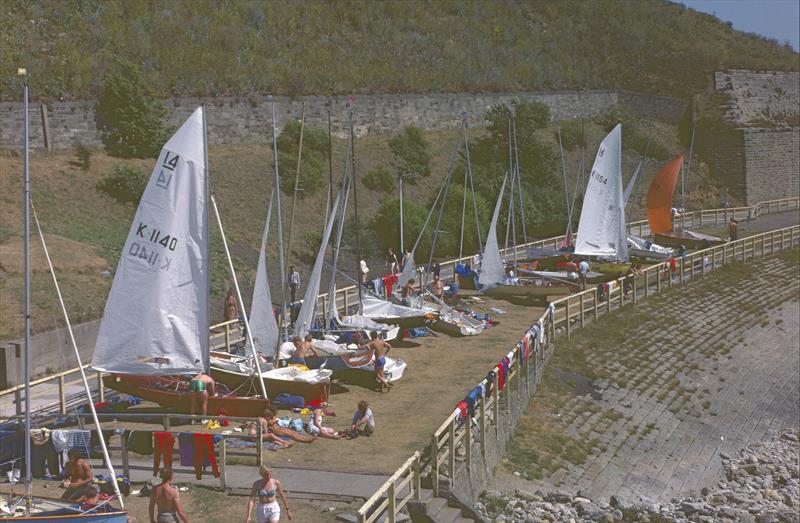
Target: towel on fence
[{"x": 140, "y": 442}]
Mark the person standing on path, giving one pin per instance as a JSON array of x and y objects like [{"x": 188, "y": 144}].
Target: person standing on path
[
  {"x": 266, "y": 490},
  {"x": 166, "y": 498},
  {"x": 231, "y": 309},
  {"x": 733, "y": 229},
  {"x": 294, "y": 283}
]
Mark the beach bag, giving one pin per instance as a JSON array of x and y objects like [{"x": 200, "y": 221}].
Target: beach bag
[{"x": 288, "y": 401}]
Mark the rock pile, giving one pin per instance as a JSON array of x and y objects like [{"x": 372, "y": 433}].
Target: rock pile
[{"x": 761, "y": 485}]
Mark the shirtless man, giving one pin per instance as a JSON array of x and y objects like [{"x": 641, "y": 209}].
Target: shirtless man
[
  {"x": 437, "y": 287},
  {"x": 304, "y": 350},
  {"x": 79, "y": 476},
  {"x": 407, "y": 292},
  {"x": 379, "y": 349},
  {"x": 200, "y": 386},
  {"x": 165, "y": 497}
]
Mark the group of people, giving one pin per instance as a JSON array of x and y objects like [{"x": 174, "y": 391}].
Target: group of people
[
  {"x": 363, "y": 424},
  {"x": 393, "y": 265}
]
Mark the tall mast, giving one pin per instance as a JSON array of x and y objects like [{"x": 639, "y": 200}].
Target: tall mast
[
  {"x": 689, "y": 164},
  {"x": 330, "y": 162},
  {"x": 26, "y": 218},
  {"x": 355, "y": 209},
  {"x": 285, "y": 323}
]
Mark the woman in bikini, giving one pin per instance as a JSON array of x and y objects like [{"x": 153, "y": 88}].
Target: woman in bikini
[{"x": 267, "y": 489}]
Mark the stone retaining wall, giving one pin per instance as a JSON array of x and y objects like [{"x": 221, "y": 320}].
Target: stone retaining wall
[{"x": 248, "y": 120}]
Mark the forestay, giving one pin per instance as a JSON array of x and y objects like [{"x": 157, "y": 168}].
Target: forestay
[
  {"x": 156, "y": 316},
  {"x": 601, "y": 231},
  {"x": 492, "y": 270}
]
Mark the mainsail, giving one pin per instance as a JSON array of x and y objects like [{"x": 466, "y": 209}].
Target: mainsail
[
  {"x": 263, "y": 326},
  {"x": 601, "y": 231},
  {"x": 156, "y": 317},
  {"x": 306, "y": 316},
  {"x": 659, "y": 196},
  {"x": 492, "y": 270}
]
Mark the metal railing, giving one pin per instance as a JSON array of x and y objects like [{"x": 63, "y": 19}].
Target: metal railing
[
  {"x": 453, "y": 443},
  {"x": 223, "y": 335}
]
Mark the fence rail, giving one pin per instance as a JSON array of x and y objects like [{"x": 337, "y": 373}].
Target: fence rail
[
  {"x": 452, "y": 445},
  {"x": 225, "y": 334}
]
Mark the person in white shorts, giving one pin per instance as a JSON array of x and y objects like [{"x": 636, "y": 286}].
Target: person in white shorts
[{"x": 266, "y": 490}]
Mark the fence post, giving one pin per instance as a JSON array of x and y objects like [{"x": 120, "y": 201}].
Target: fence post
[
  {"x": 101, "y": 392},
  {"x": 417, "y": 477},
  {"x": 227, "y": 337},
  {"x": 658, "y": 276},
  {"x": 18, "y": 402},
  {"x": 772, "y": 242},
  {"x": 166, "y": 422},
  {"x": 496, "y": 394},
  {"x": 435, "y": 465},
  {"x": 126, "y": 467},
  {"x": 595, "y": 303},
  {"x": 683, "y": 259},
  {"x": 608, "y": 299},
  {"x": 569, "y": 331},
  {"x": 62, "y": 398},
  {"x": 468, "y": 442},
  {"x": 391, "y": 506},
  {"x": 260, "y": 448},
  {"x": 647, "y": 283},
  {"x": 724, "y": 249},
  {"x": 451, "y": 451},
  {"x": 223, "y": 455},
  {"x": 482, "y": 424},
  {"x": 634, "y": 290},
  {"x": 581, "y": 300}
]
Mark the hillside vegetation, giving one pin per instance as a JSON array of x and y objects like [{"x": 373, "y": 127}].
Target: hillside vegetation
[{"x": 212, "y": 47}]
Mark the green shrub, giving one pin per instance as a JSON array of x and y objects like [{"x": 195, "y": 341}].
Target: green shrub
[
  {"x": 130, "y": 118},
  {"x": 84, "y": 156},
  {"x": 313, "y": 164},
  {"x": 411, "y": 153},
  {"x": 379, "y": 179},
  {"x": 125, "y": 184},
  {"x": 571, "y": 134}
]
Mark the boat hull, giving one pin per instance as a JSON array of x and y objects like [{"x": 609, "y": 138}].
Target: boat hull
[
  {"x": 503, "y": 291},
  {"x": 173, "y": 392},
  {"x": 690, "y": 241},
  {"x": 358, "y": 368},
  {"x": 48, "y": 509},
  {"x": 311, "y": 392}
]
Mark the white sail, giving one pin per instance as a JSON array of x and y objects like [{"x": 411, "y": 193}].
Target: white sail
[
  {"x": 306, "y": 316},
  {"x": 263, "y": 326},
  {"x": 156, "y": 316},
  {"x": 492, "y": 269},
  {"x": 601, "y": 231},
  {"x": 407, "y": 272}
]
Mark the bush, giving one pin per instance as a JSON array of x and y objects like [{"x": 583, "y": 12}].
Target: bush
[
  {"x": 411, "y": 153},
  {"x": 379, "y": 179},
  {"x": 125, "y": 184},
  {"x": 571, "y": 134},
  {"x": 313, "y": 164},
  {"x": 130, "y": 118},
  {"x": 84, "y": 156}
]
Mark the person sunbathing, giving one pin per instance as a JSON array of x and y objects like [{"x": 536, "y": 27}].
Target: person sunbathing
[
  {"x": 267, "y": 435},
  {"x": 315, "y": 426},
  {"x": 273, "y": 427}
]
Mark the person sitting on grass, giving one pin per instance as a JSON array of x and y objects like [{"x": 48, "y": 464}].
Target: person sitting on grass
[
  {"x": 315, "y": 427},
  {"x": 363, "y": 421},
  {"x": 79, "y": 476},
  {"x": 266, "y": 434}
]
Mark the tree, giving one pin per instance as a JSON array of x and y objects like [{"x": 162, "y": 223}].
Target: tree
[
  {"x": 313, "y": 164},
  {"x": 411, "y": 153},
  {"x": 379, "y": 179},
  {"x": 130, "y": 118}
]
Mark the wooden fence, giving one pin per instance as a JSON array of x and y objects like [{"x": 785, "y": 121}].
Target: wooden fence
[{"x": 453, "y": 443}]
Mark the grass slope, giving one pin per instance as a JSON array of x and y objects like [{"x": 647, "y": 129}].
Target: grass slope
[{"x": 358, "y": 46}]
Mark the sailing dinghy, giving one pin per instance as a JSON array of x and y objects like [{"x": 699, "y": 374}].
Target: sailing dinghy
[
  {"x": 154, "y": 333},
  {"x": 659, "y": 211}
]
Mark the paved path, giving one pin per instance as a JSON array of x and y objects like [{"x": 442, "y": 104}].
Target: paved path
[{"x": 703, "y": 370}]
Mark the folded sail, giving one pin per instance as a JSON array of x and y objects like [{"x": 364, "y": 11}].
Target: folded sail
[
  {"x": 156, "y": 316},
  {"x": 263, "y": 326},
  {"x": 306, "y": 317},
  {"x": 492, "y": 269},
  {"x": 601, "y": 231},
  {"x": 659, "y": 196}
]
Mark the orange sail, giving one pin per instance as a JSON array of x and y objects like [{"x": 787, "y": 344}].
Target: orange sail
[{"x": 659, "y": 196}]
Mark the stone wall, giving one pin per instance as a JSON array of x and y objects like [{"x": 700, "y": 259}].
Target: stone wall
[
  {"x": 772, "y": 163},
  {"x": 760, "y": 97},
  {"x": 248, "y": 120}
]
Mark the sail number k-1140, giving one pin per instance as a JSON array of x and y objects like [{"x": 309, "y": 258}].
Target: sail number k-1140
[
  {"x": 156, "y": 236},
  {"x": 150, "y": 255}
]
